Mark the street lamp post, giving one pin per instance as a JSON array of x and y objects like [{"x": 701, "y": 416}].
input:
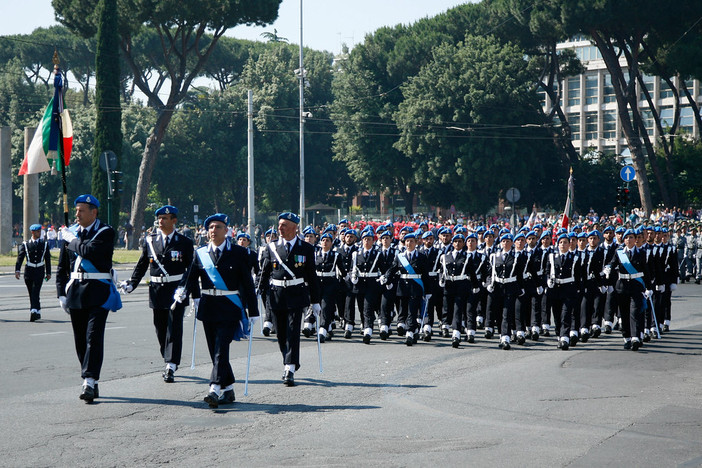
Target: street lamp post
[{"x": 302, "y": 128}]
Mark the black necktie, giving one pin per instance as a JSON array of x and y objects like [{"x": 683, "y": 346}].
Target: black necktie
[
  {"x": 288, "y": 247},
  {"x": 365, "y": 255},
  {"x": 165, "y": 243},
  {"x": 216, "y": 254}
]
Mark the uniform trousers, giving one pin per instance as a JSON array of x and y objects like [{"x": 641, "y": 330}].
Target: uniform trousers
[
  {"x": 503, "y": 306},
  {"x": 287, "y": 323},
  {"x": 455, "y": 307},
  {"x": 387, "y": 306},
  {"x": 632, "y": 314},
  {"x": 562, "y": 305},
  {"x": 89, "y": 336},
  {"x": 409, "y": 310},
  {"x": 33, "y": 283},
  {"x": 219, "y": 336},
  {"x": 169, "y": 330}
]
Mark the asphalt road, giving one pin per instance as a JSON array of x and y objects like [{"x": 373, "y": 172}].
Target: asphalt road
[{"x": 594, "y": 405}]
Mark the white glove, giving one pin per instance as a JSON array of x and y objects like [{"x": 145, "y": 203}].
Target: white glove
[
  {"x": 551, "y": 283},
  {"x": 610, "y": 289},
  {"x": 540, "y": 290},
  {"x": 179, "y": 295},
  {"x": 673, "y": 287},
  {"x": 607, "y": 271},
  {"x": 442, "y": 283},
  {"x": 388, "y": 286},
  {"x": 661, "y": 288},
  {"x": 67, "y": 234},
  {"x": 126, "y": 287},
  {"x": 316, "y": 308},
  {"x": 354, "y": 279},
  {"x": 603, "y": 289},
  {"x": 648, "y": 293},
  {"x": 476, "y": 290},
  {"x": 383, "y": 280},
  {"x": 64, "y": 305},
  {"x": 490, "y": 288}
]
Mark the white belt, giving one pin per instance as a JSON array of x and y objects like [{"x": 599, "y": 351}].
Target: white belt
[
  {"x": 79, "y": 275},
  {"x": 506, "y": 280},
  {"x": 457, "y": 278},
  {"x": 564, "y": 280},
  {"x": 433, "y": 273},
  {"x": 630, "y": 277},
  {"x": 287, "y": 283},
  {"x": 406, "y": 276},
  {"x": 218, "y": 292},
  {"x": 35, "y": 265},
  {"x": 374, "y": 274},
  {"x": 166, "y": 279},
  {"x": 326, "y": 274}
]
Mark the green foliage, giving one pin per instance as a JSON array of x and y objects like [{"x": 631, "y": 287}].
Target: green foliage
[{"x": 688, "y": 170}]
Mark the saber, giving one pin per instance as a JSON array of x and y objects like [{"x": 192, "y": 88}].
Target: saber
[
  {"x": 319, "y": 346},
  {"x": 262, "y": 308},
  {"x": 193, "y": 311},
  {"x": 425, "y": 302},
  {"x": 248, "y": 359},
  {"x": 653, "y": 310}
]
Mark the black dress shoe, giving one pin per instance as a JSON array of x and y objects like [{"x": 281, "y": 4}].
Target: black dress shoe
[
  {"x": 289, "y": 379},
  {"x": 471, "y": 338},
  {"x": 596, "y": 332},
  {"x": 227, "y": 397},
  {"x": 266, "y": 331},
  {"x": 534, "y": 336},
  {"x": 445, "y": 332},
  {"x": 565, "y": 346},
  {"x": 455, "y": 342},
  {"x": 521, "y": 340},
  {"x": 488, "y": 334},
  {"x": 608, "y": 330},
  {"x": 584, "y": 337},
  {"x": 383, "y": 335},
  {"x": 33, "y": 316},
  {"x": 401, "y": 331},
  {"x": 366, "y": 339},
  {"x": 168, "y": 376},
  {"x": 616, "y": 326},
  {"x": 574, "y": 340},
  {"x": 96, "y": 391},
  {"x": 347, "y": 334},
  {"x": 307, "y": 332},
  {"x": 666, "y": 328},
  {"x": 635, "y": 345},
  {"x": 505, "y": 346},
  {"x": 88, "y": 393},
  {"x": 647, "y": 337},
  {"x": 212, "y": 399},
  {"x": 627, "y": 345},
  {"x": 322, "y": 338},
  {"x": 409, "y": 341},
  {"x": 426, "y": 336},
  {"x": 547, "y": 333}
]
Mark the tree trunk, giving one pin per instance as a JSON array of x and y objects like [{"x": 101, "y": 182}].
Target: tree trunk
[{"x": 146, "y": 169}]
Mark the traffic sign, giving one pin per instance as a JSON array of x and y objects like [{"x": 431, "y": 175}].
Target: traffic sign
[
  {"x": 627, "y": 173},
  {"x": 513, "y": 195},
  {"x": 108, "y": 161}
]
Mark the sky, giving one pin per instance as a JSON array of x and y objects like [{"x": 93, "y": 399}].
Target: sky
[{"x": 326, "y": 23}]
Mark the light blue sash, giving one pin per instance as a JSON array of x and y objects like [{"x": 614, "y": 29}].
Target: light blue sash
[
  {"x": 114, "y": 302},
  {"x": 406, "y": 265},
  {"x": 624, "y": 260},
  {"x": 218, "y": 282}
]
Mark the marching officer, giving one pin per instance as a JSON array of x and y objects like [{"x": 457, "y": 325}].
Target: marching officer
[
  {"x": 410, "y": 272},
  {"x": 594, "y": 288},
  {"x": 85, "y": 288},
  {"x": 288, "y": 273},
  {"x": 633, "y": 287},
  {"x": 564, "y": 278},
  {"x": 329, "y": 271},
  {"x": 270, "y": 235},
  {"x": 36, "y": 251},
  {"x": 222, "y": 289},
  {"x": 387, "y": 300},
  {"x": 346, "y": 300},
  {"x": 364, "y": 276},
  {"x": 432, "y": 287},
  {"x": 456, "y": 285},
  {"x": 167, "y": 255}
]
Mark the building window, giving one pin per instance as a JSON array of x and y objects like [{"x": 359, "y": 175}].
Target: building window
[
  {"x": 591, "y": 89},
  {"x": 608, "y": 89},
  {"x": 665, "y": 91},
  {"x": 647, "y": 117},
  {"x": 574, "y": 91},
  {"x": 687, "y": 119},
  {"x": 587, "y": 53},
  {"x": 609, "y": 125},
  {"x": 648, "y": 83},
  {"x": 667, "y": 116},
  {"x": 591, "y": 125},
  {"x": 574, "y": 123}
]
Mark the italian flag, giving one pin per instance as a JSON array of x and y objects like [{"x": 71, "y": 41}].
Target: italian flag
[
  {"x": 569, "y": 200},
  {"x": 45, "y": 144}
]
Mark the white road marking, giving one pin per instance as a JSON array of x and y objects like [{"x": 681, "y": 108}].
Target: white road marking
[{"x": 48, "y": 333}]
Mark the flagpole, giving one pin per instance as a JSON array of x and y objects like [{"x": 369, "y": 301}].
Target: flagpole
[{"x": 60, "y": 149}]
